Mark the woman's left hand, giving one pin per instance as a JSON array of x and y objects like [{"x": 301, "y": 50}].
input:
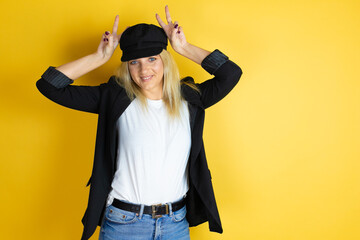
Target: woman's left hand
[{"x": 173, "y": 31}]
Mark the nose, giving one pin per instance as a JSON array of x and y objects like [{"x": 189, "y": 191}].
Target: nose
[{"x": 143, "y": 67}]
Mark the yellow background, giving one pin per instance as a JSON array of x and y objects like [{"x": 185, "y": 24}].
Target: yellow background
[{"x": 283, "y": 146}]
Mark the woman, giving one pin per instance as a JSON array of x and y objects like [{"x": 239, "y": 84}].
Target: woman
[{"x": 150, "y": 169}]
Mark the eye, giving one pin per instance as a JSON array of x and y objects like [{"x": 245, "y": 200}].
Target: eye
[
  {"x": 133, "y": 62},
  {"x": 152, "y": 59}
]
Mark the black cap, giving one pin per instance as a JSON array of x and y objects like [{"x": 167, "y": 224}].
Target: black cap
[{"x": 142, "y": 40}]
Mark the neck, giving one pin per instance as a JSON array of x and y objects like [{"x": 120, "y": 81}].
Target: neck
[{"x": 153, "y": 95}]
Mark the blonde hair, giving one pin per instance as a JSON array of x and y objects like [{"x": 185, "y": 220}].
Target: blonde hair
[{"x": 171, "y": 88}]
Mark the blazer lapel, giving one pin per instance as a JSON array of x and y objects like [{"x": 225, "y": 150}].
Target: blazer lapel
[
  {"x": 119, "y": 105},
  {"x": 196, "y": 111}
]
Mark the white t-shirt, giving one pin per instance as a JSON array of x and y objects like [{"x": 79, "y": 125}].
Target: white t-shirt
[{"x": 153, "y": 152}]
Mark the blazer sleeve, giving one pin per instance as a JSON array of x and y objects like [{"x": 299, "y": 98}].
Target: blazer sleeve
[
  {"x": 226, "y": 76},
  {"x": 56, "y": 86}
]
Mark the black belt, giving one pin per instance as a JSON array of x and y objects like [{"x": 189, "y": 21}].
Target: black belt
[{"x": 155, "y": 210}]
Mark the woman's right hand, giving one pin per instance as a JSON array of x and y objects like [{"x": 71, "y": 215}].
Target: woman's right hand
[
  {"x": 109, "y": 41},
  {"x": 107, "y": 46}
]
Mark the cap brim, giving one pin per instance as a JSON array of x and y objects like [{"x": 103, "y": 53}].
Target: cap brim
[{"x": 127, "y": 56}]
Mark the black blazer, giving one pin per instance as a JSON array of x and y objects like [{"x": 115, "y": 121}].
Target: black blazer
[{"x": 109, "y": 100}]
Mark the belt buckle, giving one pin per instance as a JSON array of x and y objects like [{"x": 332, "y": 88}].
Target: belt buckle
[{"x": 154, "y": 208}]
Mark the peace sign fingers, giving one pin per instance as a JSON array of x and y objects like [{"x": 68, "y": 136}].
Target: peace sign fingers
[
  {"x": 173, "y": 31},
  {"x": 167, "y": 27}
]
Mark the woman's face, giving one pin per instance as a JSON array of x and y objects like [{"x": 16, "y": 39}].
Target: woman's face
[{"x": 148, "y": 74}]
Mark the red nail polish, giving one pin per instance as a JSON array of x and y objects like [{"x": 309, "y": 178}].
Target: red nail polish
[
  {"x": 178, "y": 32},
  {"x": 176, "y": 25},
  {"x": 107, "y": 33}
]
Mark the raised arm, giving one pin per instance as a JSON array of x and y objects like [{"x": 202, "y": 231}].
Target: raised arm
[
  {"x": 227, "y": 73},
  {"x": 178, "y": 41},
  {"x": 106, "y": 48},
  {"x": 55, "y": 82}
]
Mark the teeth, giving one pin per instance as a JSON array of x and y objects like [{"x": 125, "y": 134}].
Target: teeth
[{"x": 146, "y": 78}]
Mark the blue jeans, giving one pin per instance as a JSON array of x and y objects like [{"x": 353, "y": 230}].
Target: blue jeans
[{"x": 119, "y": 224}]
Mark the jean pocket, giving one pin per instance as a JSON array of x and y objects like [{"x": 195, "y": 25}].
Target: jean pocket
[
  {"x": 179, "y": 215},
  {"x": 117, "y": 215}
]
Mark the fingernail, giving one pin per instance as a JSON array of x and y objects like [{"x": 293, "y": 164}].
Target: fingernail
[
  {"x": 176, "y": 25},
  {"x": 107, "y": 33},
  {"x": 105, "y": 39},
  {"x": 178, "y": 32}
]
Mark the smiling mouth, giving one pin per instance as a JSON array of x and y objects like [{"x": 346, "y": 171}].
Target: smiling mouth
[{"x": 147, "y": 78}]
